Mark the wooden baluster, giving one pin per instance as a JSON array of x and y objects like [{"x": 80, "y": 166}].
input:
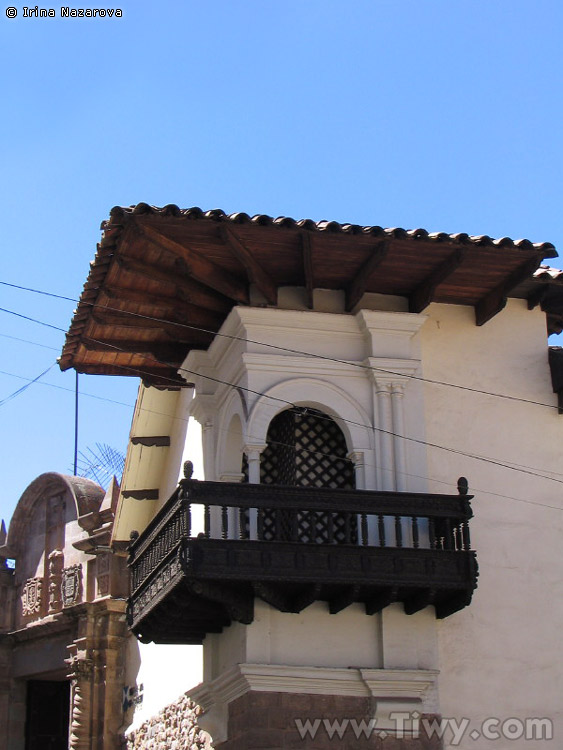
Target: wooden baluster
[
  {"x": 206, "y": 522},
  {"x": 381, "y": 529},
  {"x": 224, "y": 522},
  {"x": 398, "y": 532},
  {"x": 188, "y": 520},
  {"x": 415, "y": 542},
  {"x": 364, "y": 528},
  {"x": 432, "y": 533},
  {"x": 448, "y": 534},
  {"x": 260, "y": 526},
  {"x": 242, "y": 521},
  {"x": 465, "y": 535}
]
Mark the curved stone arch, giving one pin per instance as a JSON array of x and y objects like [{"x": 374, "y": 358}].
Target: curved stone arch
[
  {"x": 230, "y": 439},
  {"x": 86, "y": 494},
  {"x": 318, "y": 394}
]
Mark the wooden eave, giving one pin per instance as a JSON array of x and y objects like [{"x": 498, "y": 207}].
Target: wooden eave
[{"x": 164, "y": 280}]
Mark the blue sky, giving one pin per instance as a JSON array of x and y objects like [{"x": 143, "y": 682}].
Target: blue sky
[{"x": 426, "y": 113}]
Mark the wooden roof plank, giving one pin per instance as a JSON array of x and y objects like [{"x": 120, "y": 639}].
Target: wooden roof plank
[
  {"x": 187, "y": 289},
  {"x": 199, "y": 267}
]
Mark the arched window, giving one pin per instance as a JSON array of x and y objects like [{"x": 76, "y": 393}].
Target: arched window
[{"x": 306, "y": 448}]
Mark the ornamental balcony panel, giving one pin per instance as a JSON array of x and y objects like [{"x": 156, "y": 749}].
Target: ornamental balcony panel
[{"x": 215, "y": 546}]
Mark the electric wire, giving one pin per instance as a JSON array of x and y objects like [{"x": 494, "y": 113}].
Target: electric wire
[
  {"x": 26, "y": 386},
  {"x": 324, "y": 454},
  {"x": 138, "y": 371},
  {"x": 293, "y": 406},
  {"x": 289, "y": 350}
]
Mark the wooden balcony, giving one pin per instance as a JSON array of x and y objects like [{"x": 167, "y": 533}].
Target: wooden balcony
[{"x": 291, "y": 546}]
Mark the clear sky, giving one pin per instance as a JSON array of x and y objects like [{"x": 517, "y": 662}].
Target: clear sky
[{"x": 414, "y": 113}]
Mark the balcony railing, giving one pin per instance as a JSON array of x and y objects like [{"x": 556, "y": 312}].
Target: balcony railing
[{"x": 215, "y": 546}]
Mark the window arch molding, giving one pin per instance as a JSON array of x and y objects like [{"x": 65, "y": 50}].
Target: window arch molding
[
  {"x": 234, "y": 412},
  {"x": 318, "y": 394}
]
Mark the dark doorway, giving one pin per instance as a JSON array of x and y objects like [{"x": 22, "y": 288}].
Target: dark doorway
[{"x": 48, "y": 705}]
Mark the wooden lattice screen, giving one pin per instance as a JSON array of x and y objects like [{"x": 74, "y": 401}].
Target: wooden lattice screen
[{"x": 305, "y": 448}]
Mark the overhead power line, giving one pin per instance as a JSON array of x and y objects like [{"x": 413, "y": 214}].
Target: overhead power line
[
  {"x": 288, "y": 350},
  {"x": 140, "y": 372}
]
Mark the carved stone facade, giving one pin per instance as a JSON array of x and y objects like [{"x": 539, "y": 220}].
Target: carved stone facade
[{"x": 63, "y": 634}]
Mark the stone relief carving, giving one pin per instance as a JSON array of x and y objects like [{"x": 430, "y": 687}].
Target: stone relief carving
[
  {"x": 31, "y": 597},
  {"x": 71, "y": 586},
  {"x": 56, "y": 562}
]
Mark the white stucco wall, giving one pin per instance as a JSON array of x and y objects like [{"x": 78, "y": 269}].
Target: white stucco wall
[{"x": 500, "y": 657}]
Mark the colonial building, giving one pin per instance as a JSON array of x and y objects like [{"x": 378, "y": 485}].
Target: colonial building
[
  {"x": 367, "y": 398},
  {"x": 64, "y": 642}
]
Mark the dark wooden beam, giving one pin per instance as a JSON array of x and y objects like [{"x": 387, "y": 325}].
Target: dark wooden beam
[
  {"x": 537, "y": 296},
  {"x": 357, "y": 287},
  {"x": 273, "y": 595},
  {"x": 419, "y": 601},
  {"x": 140, "y": 494},
  {"x": 343, "y": 599},
  {"x": 381, "y": 599},
  {"x": 256, "y": 273},
  {"x": 198, "y": 266},
  {"x": 170, "y": 354},
  {"x": 308, "y": 270},
  {"x": 174, "y": 308},
  {"x": 306, "y": 597},
  {"x": 423, "y": 295},
  {"x": 185, "y": 287},
  {"x": 495, "y": 300},
  {"x": 238, "y": 604},
  {"x": 151, "y": 441},
  {"x": 453, "y": 603},
  {"x": 128, "y": 319}
]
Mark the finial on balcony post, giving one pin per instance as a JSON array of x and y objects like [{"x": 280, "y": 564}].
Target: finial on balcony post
[
  {"x": 188, "y": 469},
  {"x": 462, "y": 486}
]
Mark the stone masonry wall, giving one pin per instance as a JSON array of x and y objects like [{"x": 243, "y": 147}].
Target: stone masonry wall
[
  {"x": 174, "y": 728},
  {"x": 268, "y": 721}
]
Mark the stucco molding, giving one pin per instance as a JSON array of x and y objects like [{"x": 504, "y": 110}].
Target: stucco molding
[
  {"x": 317, "y": 393},
  {"x": 392, "y": 689}
]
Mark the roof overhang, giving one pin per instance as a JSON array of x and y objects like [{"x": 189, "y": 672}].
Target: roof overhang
[{"x": 164, "y": 280}]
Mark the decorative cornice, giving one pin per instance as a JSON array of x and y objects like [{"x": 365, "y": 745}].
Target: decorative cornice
[{"x": 393, "y": 689}]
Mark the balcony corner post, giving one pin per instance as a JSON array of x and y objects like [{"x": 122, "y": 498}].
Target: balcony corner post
[{"x": 253, "y": 453}]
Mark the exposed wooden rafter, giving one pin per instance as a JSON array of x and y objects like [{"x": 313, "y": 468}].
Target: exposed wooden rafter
[
  {"x": 308, "y": 268},
  {"x": 186, "y": 288},
  {"x": 423, "y": 295},
  {"x": 382, "y": 599},
  {"x": 256, "y": 273},
  {"x": 495, "y": 300},
  {"x": 273, "y": 595},
  {"x": 360, "y": 282},
  {"x": 419, "y": 601},
  {"x": 346, "y": 597},
  {"x": 169, "y": 354},
  {"x": 198, "y": 266},
  {"x": 173, "y": 306}
]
